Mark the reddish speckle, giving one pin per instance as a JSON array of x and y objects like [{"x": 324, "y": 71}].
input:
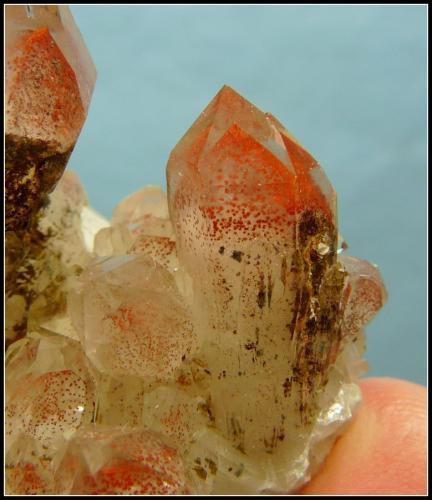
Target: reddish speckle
[
  {"x": 43, "y": 95},
  {"x": 123, "y": 318},
  {"x": 136, "y": 463}
]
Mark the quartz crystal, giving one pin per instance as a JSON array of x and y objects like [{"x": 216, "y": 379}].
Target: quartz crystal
[
  {"x": 207, "y": 341},
  {"x": 49, "y": 82},
  {"x": 114, "y": 460},
  {"x": 131, "y": 318},
  {"x": 48, "y": 387}
]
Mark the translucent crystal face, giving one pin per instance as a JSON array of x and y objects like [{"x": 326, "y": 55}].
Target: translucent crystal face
[
  {"x": 211, "y": 339},
  {"x": 49, "y": 82}
]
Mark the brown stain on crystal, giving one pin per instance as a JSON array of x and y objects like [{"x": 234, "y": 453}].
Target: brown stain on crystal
[
  {"x": 237, "y": 255},
  {"x": 32, "y": 170},
  {"x": 21, "y": 277},
  {"x": 318, "y": 320}
]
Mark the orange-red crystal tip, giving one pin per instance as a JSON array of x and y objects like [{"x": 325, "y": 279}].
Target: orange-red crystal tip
[{"x": 234, "y": 151}]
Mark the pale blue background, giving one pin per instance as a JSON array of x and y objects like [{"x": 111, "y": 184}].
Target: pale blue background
[{"x": 348, "y": 81}]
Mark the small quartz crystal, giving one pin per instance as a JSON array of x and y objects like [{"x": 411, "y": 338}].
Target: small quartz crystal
[
  {"x": 204, "y": 341},
  {"x": 131, "y": 318},
  {"x": 101, "y": 460}
]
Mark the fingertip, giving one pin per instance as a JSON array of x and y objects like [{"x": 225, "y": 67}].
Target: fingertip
[
  {"x": 384, "y": 449},
  {"x": 381, "y": 391}
]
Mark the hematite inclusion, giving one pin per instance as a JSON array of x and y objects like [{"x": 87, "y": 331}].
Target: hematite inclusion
[{"x": 219, "y": 324}]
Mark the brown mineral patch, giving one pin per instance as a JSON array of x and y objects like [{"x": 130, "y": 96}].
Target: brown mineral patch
[{"x": 32, "y": 170}]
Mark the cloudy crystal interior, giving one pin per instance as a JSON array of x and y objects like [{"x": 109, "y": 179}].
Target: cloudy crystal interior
[{"x": 204, "y": 341}]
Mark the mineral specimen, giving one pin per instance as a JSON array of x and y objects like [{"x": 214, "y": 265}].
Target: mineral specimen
[
  {"x": 49, "y": 82},
  {"x": 208, "y": 341}
]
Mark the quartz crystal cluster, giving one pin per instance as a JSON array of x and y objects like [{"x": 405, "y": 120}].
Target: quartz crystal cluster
[{"x": 207, "y": 341}]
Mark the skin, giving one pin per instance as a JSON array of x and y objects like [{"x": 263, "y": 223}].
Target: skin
[{"x": 384, "y": 449}]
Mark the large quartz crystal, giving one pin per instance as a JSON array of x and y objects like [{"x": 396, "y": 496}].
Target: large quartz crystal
[
  {"x": 205, "y": 341},
  {"x": 49, "y": 81}
]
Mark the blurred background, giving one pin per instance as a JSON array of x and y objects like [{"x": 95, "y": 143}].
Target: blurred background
[{"x": 348, "y": 81}]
